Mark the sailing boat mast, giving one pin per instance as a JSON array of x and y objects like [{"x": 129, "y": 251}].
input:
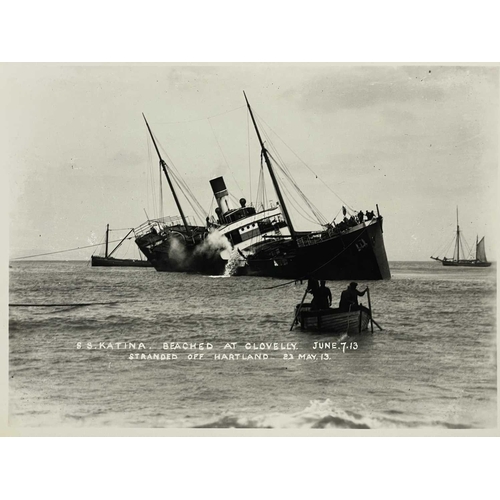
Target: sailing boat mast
[
  {"x": 107, "y": 240},
  {"x": 458, "y": 239},
  {"x": 164, "y": 168},
  {"x": 271, "y": 173}
]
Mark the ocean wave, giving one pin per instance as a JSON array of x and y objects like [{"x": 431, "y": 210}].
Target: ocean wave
[{"x": 324, "y": 415}]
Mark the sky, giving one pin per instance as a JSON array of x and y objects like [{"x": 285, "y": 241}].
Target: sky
[{"x": 416, "y": 140}]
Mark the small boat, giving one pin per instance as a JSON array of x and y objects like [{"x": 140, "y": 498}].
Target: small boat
[
  {"x": 98, "y": 261},
  {"x": 479, "y": 259},
  {"x": 331, "y": 320},
  {"x": 108, "y": 261},
  {"x": 355, "y": 320}
]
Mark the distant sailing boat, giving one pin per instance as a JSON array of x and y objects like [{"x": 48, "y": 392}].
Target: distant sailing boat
[
  {"x": 458, "y": 261},
  {"x": 109, "y": 261}
]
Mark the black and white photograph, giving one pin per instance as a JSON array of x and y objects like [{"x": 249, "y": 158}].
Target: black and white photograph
[{"x": 294, "y": 248}]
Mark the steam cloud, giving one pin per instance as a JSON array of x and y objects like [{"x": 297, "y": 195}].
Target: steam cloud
[
  {"x": 214, "y": 243},
  {"x": 177, "y": 253}
]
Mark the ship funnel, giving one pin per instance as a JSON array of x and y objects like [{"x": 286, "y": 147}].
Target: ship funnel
[{"x": 221, "y": 194}]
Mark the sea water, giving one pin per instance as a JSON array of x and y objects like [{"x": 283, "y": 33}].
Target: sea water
[{"x": 176, "y": 350}]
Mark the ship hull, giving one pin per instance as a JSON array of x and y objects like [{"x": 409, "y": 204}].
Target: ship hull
[
  {"x": 357, "y": 254},
  {"x": 464, "y": 263},
  {"x": 97, "y": 261}
]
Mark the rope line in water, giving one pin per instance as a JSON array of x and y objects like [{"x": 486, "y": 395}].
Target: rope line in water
[
  {"x": 82, "y": 304},
  {"x": 68, "y": 250}
]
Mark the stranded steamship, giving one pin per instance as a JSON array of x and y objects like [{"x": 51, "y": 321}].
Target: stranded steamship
[{"x": 262, "y": 243}]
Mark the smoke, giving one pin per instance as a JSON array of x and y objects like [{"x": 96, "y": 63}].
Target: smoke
[
  {"x": 93, "y": 239},
  {"x": 177, "y": 253},
  {"x": 215, "y": 243}
]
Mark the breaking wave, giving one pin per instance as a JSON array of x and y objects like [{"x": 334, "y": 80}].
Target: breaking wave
[
  {"x": 233, "y": 263},
  {"x": 324, "y": 415}
]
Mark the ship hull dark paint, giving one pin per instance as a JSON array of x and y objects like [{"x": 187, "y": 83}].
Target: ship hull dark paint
[
  {"x": 97, "y": 261},
  {"x": 355, "y": 255},
  {"x": 358, "y": 254},
  {"x": 451, "y": 263}
]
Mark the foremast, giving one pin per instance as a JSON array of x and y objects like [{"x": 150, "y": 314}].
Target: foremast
[
  {"x": 457, "y": 242},
  {"x": 286, "y": 215},
  {"x": 163, "y": 165}
]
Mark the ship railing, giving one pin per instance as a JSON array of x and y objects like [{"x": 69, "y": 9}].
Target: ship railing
[
  {"x": 330, "y": 233},
  {"x": 159, "y": 225}
]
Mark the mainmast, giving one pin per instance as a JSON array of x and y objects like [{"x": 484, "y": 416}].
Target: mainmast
[
  {"x": 164, "y": 167},
  {"x": 458, "y": 239},
  {"x": 107, "y": 240},
  {"x": 271, "y": 173}
]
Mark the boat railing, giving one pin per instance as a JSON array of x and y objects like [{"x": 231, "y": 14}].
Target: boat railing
[
  {"x": 159, "y": 225},
  {"x": 331, "y": 232}
]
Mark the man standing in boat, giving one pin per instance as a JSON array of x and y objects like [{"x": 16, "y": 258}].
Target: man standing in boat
[
  {"x": 349, "y": 298},
  {"x": 312, "y": 288},
  {"x": 323, "y": 296}
]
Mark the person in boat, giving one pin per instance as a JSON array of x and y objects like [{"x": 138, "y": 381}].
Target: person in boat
[
  {"x": 312, "y": 288},
  {"x": 349, "y": 298},
  {"x": 323, "y": 296},
  {"x": 312, "y": 285}
]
